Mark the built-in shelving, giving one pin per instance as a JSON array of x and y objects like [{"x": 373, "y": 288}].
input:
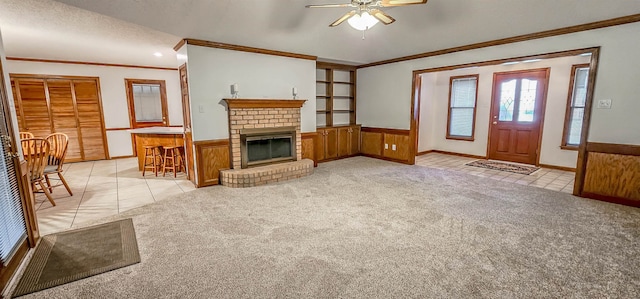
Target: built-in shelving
[{"x": 336, "y": 94}]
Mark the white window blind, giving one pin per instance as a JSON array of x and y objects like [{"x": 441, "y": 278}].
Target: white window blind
[
  {"x": 578, "y": 99},
  {"x": 462, "y": 106},
  {"x": 12, "y": 227}
]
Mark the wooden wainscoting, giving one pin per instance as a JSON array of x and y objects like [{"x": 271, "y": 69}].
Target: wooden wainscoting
[
  {"x": 611, "y": 173},
  {"x": 308, "y": 146},
  {"x": 211, "y": 157},
  {"x": 374, "y": 140}
]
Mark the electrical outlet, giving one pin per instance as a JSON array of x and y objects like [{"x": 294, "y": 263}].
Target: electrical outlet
[
  {"x": 200, "y": 108},
  {"x": 386, "y": 146},
  {"x": 393, "y": 147},
  {"x": 604, "y": 104}
]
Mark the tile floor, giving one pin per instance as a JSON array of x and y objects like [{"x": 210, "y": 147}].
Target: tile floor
[
  {"x": 104, "y": 188},
  {"x": 552, "y": 179},
  {"x": 108, "y": 187}
]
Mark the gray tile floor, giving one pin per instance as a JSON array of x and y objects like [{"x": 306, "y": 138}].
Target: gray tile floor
[
  {"x": 552, "y": 179},
  {"x": 104, "y": 188},
  {"x": 108, "y": 187}
]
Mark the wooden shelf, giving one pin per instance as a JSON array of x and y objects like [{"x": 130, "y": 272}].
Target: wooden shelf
[{"x": 337, "y": 79}]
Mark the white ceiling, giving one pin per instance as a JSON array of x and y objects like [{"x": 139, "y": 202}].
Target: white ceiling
[{"x": 129, "y": 32}]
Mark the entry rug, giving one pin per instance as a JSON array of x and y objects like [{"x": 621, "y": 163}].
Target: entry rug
[
  {"x": 515, "y": 168},
  {"x": 73, "y": 255}
]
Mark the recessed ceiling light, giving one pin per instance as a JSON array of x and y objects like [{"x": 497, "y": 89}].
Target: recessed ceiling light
[{"x": 157, "y": 54}]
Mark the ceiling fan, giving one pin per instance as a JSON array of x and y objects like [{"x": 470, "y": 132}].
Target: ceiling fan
[{"x": 366, "y": 15}]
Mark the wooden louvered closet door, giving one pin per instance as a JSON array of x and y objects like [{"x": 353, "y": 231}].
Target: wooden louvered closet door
[
  {"x": 63, "y": 105},
  {"x": 63, "y": 115}
]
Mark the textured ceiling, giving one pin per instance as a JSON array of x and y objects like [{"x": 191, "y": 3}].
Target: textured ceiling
[{"x": 126, "y": 31}]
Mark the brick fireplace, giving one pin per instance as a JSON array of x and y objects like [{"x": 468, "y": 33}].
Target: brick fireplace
[{"x": 264, "y": 121}]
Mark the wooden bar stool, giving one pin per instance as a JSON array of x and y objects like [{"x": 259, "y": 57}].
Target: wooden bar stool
[
  {"x": 172, "y": 160},
  {"x": 152, "y": 159}
]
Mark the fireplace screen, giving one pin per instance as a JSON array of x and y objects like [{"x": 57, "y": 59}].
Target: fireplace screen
[{"x": 266, "y": 148}]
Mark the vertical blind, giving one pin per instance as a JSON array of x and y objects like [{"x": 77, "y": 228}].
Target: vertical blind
[
  {"x": 462, "y": 106},
  {"x": 12, "y": 226}
]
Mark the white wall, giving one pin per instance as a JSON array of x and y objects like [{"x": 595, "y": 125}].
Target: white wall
[
  {"x": 432, "y": 134},
  {"x": 212, "y": 71},
  {"x": 9, "y": 94},
  {"x": 113, "y": 93},
  {"x": 426, "y": 130},
  {"x": 384, "y": 92}
]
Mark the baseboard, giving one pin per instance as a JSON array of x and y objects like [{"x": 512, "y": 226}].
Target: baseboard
[
  {"x": 557, "y": 167},
  {"x": 454, "y": 154},
  {"x": 612, "y": 199},
  {"x": 386, "y": 159},
  {"x": 122, "y": 157},
  {"x": 334, "y": 159},
  {"x": 424, "y": 153}
]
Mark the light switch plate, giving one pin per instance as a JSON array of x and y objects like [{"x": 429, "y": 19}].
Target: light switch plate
[
  {"x": 386, "y": 146},
  {"x": 604, "y": 104},
  {"x": 393, "y": 147}
]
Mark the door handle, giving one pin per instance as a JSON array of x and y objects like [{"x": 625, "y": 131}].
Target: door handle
[{"x": 495, "y": 122}]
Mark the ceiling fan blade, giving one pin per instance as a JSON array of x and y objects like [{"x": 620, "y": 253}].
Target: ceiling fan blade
[
  {"x": 343, "y": 18},
  {"x": 386, "y": 3},
  {"x": 381, "y": 16},
  {"x": 328, "y": 5}
]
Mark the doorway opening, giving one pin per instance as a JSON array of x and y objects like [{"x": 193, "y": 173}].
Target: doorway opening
[{"x": 543, "y": 143}]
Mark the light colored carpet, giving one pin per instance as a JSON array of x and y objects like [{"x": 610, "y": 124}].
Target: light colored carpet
[{"x": 367, "y": 228}]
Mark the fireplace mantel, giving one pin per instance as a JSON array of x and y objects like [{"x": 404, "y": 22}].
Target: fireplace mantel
[{"x": 263, "y": 103}]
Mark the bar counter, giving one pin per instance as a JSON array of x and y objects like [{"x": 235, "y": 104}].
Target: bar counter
[{"x": 156, "y": 136}]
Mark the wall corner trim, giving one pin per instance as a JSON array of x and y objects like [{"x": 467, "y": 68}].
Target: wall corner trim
[{"x": 217, "y": 45}]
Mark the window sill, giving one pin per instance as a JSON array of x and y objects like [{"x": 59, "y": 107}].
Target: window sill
[
  {"x": 569, "y": 147},
  {"x": 460, "y": 138}
]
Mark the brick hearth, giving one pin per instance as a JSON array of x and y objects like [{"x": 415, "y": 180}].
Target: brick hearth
[{"x": 256, "y": 113}]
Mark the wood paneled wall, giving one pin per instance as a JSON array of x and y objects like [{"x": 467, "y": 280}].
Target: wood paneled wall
[
  {"x": 308, "y": 146},
  {"x": 374, "y": 139},
  {"x": 611, "y": 173},
  {"x": 211, "y": 157}
]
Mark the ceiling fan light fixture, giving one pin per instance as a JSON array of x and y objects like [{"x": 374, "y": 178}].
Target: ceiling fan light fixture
[{"x": 362, "y": 21}]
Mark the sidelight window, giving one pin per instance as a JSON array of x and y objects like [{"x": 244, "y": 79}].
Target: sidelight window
[
  {"x": 463, "y": 93},
  {"x": 575, "y": 106}
]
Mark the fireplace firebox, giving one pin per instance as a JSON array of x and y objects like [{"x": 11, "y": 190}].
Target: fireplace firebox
[{"x": 267, "y": 146}]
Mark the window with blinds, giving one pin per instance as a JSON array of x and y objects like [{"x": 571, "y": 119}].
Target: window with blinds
[
  {"x": 12, "y": 226},
  {"x": 147, "y": 103},
  {"x": 575, "y": 106},
  {"x": 462, "y": 107}
]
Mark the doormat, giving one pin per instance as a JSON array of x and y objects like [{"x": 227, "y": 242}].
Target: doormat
[
  {"x": 515, "y": 168},
  {"x": 73, "y": 255}
]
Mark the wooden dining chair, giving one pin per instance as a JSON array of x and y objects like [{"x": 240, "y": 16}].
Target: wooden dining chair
[
  {"x": 36, "y": 157},
  {"x": 25, "y": 135},
  {"x": 59, "y": 143}
]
